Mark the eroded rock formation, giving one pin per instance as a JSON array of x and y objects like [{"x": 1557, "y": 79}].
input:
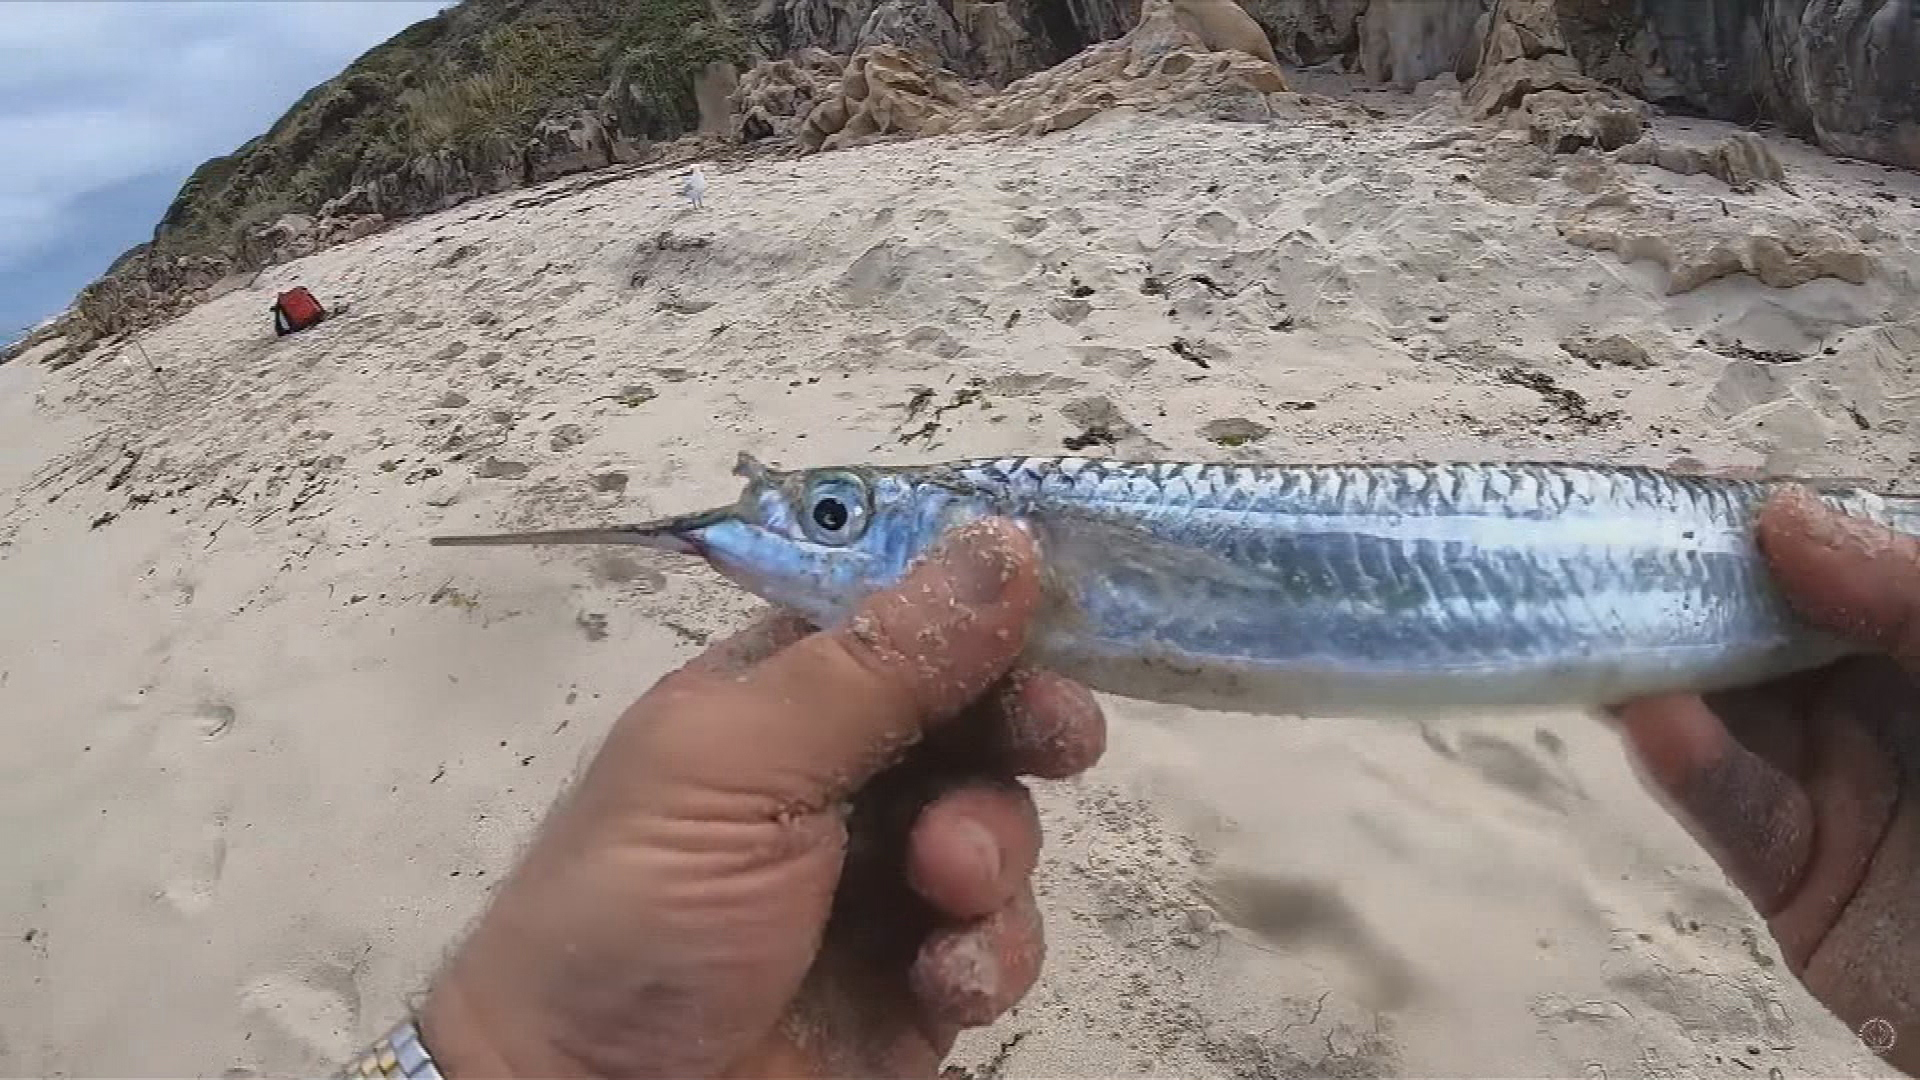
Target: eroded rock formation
[{"x": 1170, "y": 56}]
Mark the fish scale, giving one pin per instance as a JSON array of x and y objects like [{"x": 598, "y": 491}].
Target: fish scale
[{"x": 1329, "y": 589}]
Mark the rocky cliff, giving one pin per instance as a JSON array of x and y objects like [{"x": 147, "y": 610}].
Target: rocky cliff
[
  {"x": 497, "y": 93},
  {"x": 1844, "y": 73}
]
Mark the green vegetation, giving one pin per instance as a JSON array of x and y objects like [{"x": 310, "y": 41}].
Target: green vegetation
[
  {"x": 658, "y": 54},
  {"x": 470, "y": 84}
]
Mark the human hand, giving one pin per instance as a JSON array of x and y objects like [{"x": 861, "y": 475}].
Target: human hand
[
  {"x": 803, "y": 854},
  {"x": 1801, "y": 788}
]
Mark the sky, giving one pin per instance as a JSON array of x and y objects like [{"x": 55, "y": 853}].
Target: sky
[{"x": 105, "y": 108}]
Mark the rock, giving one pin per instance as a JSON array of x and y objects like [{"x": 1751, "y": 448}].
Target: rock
[
  {"x": 1840, "y": 73},
  {"x": 357, "y": 200},
  {"x": 444, "y": 493},
  {"x": 926, "y": 30},
  {"x": 1162, "y": 61},
  {"x": 54, "y": 351},
  {"x": 1698, "y": 244},
  {"x": 1222, "y": 25},
  {"x": 1469, "y": 62},
  {"x": 1406, "y": 41},
  {"x": 886, "y": 91},
  {"x": 1614, "y": 350},
  {"x": 996, "y": 40},
  {"x": 141, "y": 288},
  {"x": 1564, "y": 122},
  {"x": 774, "y": 97},
  {"x": 334, "y": 231},
  {"x": 1308, "y": 32},
  {"x": 1004, "y": 47},
  {"x": 828, "y": 25},
  {"x": 290, "y": 236},
  {"x": 1525, "y": 70},
  {"x": 1742, "y": 161},
  {"x": 568, "y": 142},
  {"x": 713, "y": 89}
]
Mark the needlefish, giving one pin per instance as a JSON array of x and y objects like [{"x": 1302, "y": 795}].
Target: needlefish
[{"x": 1307, "y": 589}]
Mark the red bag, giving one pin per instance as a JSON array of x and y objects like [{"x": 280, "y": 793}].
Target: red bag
[{"x": 296, "y": 309}]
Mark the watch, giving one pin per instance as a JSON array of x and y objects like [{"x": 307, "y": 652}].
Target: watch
[{"x": 398, "y": 1053}]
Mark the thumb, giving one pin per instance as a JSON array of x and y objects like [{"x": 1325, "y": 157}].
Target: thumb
[
  {"x": 843, "y": 704},
  {"x": 1846, "y": 574},
  {"x": 1755, "y": 821}
]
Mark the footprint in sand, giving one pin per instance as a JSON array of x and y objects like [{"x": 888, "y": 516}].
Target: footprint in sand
[
  {"x": 1123, "y": 363},
  {"x": 1744, "y": 385},
  {"x": 1216, "y": 226},
  {"x": 192, "y": 891},
  {"x": 1231, "y": 431},
  {"x": 1508, "y": 765},
  {"x": 310, "y": 1011},
  {"x": 614, "y": 568},
  {"x": 213, "y": 720},
  {"x": 1291, "y": 912}
]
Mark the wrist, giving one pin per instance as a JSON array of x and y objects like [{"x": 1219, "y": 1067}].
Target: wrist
[
  {"x": 473, "y": 1033},
  {"x": 454, "y": 1033}
]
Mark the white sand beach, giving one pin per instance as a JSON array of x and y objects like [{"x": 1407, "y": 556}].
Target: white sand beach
[{"x": 266, "y": 751}]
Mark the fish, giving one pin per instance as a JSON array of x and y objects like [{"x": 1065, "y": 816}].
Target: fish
[{"x": 1307, "y": 589}]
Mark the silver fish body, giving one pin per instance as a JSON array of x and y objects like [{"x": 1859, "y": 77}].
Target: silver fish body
[{"x": 1317, "y": 589}]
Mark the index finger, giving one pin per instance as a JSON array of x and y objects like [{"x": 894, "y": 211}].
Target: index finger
[
  {"x": 840, "y": 705},
  {"x": 1846, "y": 574}
]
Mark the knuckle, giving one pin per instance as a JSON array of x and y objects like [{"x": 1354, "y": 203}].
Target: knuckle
[{"x": 869, "y": 644}]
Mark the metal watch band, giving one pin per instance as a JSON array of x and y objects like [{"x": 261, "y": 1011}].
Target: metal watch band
[{"x": 398, "y": 1053}]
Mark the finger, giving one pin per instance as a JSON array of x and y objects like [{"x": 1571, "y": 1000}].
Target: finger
[
  {"x": 838, "y": 706},
  {"x": 1754, "y": 820},
  {"x": 973, "y": 848},
  {"x": 967, "y": 975},
  {"x": 1046, "y": 725},
  {"x": 1849, "y": 575},
  {"x": 1852, "y": 779},
  {"x": 765, "y": 636}
]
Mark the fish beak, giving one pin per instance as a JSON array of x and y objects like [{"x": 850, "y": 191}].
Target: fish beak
[{"x": 679, "y": 535}]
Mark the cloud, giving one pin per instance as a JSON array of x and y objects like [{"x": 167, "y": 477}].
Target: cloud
[{"x": 105, "y": 108}]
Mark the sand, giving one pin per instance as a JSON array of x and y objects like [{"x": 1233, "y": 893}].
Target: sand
[{"x": 266, "y": 751}]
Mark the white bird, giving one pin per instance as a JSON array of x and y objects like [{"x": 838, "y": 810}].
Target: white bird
[{"x": 695, "y": 187}]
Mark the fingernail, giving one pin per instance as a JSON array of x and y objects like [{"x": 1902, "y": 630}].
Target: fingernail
[
  {"x": 978, "y": 562},
  {"x": 1801, "y": 518},
  {"x": 980, "y": 850},
  {"x": 1826, "y": 527}
]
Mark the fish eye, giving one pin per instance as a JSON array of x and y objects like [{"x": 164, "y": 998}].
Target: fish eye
[
  {"x": 830, "y": 513},
  {"x": 835, "y": 511}
]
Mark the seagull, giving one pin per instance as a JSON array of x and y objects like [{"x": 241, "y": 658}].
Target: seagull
[{"x": 695, "y": 187}]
